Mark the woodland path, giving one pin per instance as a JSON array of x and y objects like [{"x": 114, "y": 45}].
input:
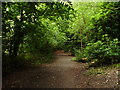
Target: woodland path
[{"x": 62, "y": 73}]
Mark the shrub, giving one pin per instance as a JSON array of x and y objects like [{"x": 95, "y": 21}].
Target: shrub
[
  {"x": 106, "y": 51},
  {"x": 80, "y": 55}
]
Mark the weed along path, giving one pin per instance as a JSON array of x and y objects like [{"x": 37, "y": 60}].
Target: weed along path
[{"x": 62, "y": 73}]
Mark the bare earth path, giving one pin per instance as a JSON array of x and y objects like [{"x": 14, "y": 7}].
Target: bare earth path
[{"x": 62, "y": 73}]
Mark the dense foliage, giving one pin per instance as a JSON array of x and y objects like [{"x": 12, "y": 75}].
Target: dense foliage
[
  {"x": 33, "y": 30},
  {"x": 24, "y": 24},
  {"x": 103, "y": 42}
]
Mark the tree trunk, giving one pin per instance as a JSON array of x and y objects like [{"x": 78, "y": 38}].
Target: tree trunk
[{"x": 18, "y": 36}]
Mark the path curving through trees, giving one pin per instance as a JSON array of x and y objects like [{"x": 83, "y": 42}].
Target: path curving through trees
[{"x": 62, "y": 73}]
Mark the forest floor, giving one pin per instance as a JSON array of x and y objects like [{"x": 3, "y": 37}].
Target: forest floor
[{"x": 61, "y": 73}]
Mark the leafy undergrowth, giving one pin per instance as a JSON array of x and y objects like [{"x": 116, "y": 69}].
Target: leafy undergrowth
[
  {"x": 41, "y": 58},
  {"x": 102, "y": 69},
  {"x": 12, "y": 64}
]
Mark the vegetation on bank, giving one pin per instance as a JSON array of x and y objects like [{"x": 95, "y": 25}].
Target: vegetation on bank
[{"x": 103, "y": 69}]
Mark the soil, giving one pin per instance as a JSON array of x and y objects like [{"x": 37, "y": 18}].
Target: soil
[{"x": 62, "y": 73}]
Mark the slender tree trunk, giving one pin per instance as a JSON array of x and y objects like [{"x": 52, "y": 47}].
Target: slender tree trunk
[
  {"x": 81, "y": 44},
  {"x": 18, "y": 36},
  {"x": 81, "y": 31}
]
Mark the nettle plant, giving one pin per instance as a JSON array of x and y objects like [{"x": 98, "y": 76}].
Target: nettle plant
[{"x": 105, "y": 51}]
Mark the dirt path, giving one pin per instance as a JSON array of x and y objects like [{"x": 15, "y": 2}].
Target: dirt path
[{"x": 62, "y": 73}]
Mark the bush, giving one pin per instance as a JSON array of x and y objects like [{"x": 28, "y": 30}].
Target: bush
[
  {"x": 80, "y": 55},
  {"x": 106, "y": 51}
]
